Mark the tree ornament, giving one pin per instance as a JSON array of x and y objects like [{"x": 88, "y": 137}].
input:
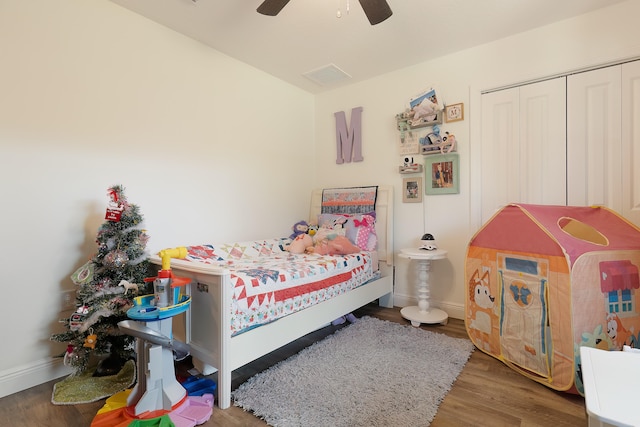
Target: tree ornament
[
  {"x": 83, "y": 274},
  {"x": 77, "y": 319},
  {"x": 70, "y": 357},
  {"x": 104, "y": 283},
  {"x": 91, "y": 340},
  {"x": 142, "y": 239},
  {"x": 116, "y": 259},
  {"x": 115, "y": 207}
]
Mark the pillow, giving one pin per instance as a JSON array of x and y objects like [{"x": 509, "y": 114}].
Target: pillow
[{"x": 360, "y": 229}]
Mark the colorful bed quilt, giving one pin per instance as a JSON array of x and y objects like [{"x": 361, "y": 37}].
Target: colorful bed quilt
[{"x": 269, "y": 282}]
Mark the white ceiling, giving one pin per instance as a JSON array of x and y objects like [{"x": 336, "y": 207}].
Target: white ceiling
[{"x": 307, "y": 35}]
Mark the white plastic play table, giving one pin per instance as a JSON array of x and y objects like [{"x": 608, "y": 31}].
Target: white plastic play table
[{"x": 611, "y": 386}]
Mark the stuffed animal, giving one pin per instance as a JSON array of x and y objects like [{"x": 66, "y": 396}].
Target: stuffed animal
[
  {"x": 300, "y": 244},
  {"x": 340, "y": 245},
  {"x": 424, "y": 112},
  {"x": 449, "y": 140},
  {"x": 300, "y": 227},
  {"x": 327, "y": 241}
]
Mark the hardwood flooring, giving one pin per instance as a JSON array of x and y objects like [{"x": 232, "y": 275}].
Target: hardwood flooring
[{"x": 487, "y": 393}]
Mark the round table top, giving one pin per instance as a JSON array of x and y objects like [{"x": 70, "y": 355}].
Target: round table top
[{"x": 416, "y": 253}]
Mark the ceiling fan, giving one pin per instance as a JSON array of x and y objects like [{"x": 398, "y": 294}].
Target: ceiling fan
[{"x": 376, "y": 10}]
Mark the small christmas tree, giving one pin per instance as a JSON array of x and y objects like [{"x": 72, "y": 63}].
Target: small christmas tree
[{"x": 107, "y": 285}]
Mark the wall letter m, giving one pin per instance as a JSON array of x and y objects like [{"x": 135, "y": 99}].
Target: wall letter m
[{"x": 349, "y": 141}]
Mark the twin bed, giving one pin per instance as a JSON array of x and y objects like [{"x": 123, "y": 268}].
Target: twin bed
[{"x": 250, "y": 298}]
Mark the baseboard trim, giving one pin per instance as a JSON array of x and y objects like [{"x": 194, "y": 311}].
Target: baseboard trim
[
  {"x": 454, "y": 310},
  {"x": 31, "y": 375}
]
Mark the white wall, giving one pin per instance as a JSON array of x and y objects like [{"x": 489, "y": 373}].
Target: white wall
[
  {"x": 608, "y": 35},
  {"x": 93, "y": 95}
]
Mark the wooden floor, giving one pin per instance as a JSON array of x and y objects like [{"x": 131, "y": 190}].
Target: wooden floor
[{"x": 487, "y": 393}]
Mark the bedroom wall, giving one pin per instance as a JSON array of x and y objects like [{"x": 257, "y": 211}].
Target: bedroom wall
[
  {"x": 93, "y": 95},
  {"x": 565, "y": 46}
]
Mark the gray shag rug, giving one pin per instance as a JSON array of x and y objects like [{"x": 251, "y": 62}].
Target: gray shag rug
[{"x": 370, "y": 373}]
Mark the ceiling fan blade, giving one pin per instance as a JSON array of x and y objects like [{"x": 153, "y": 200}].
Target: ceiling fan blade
[
  {"x": 271, "y": 7},
  {"x": 376, "y": 10}
]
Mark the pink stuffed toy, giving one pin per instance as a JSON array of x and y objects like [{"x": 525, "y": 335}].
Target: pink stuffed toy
[
  {"x": 327, "y": 241},
  {"x": 300, "y": 244},
  {"x": 339, "y": 245}
]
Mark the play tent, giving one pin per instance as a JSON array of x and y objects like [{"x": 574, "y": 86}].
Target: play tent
[{"x": 545, "y": 280}]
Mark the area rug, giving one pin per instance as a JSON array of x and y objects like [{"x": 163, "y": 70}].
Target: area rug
[
  {"x": 370, "y": 373},
  {"x": 85, "y": 388}
]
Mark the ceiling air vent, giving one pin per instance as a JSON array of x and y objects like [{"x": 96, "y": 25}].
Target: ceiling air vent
[{"x": 327, "y": 75}]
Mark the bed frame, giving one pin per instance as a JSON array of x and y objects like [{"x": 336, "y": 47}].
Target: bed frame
[{"x": 207, "y": 327}]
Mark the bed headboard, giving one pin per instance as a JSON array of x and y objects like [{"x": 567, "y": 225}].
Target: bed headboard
[{"x": 384, "y": 219}]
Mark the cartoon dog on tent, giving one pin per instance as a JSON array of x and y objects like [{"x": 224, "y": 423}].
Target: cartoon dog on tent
[{"x": 481, "y": 311}]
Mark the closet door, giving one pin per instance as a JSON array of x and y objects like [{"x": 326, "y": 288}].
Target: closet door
[
  {"x": 594, "y": 138},
  {"x": 543, "y": 140},
  {"x": 631, "y": 142},
  {"x": 500, "y": 151},
  {"x": 523, "y": 155}
]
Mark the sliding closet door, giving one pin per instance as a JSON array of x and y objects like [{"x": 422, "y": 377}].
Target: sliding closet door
[
  {"x": 594, "y": 138},
  {"x": 631, "y": 141},
  {"x": 523, "y": 155},
  {"x": 543, "y": 140},
  {"x": 499, "y": 164}
]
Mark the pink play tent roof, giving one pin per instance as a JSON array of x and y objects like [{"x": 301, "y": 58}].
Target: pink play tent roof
[{"x": 557, "y": 230}]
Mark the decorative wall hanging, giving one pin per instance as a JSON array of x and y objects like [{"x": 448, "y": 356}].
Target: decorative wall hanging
[
  {"x": 409, "y": 144},
  {"x": 349, "y": 141},
  {"x": 442, "y": 174},
  {"x": 425, "y": 108},
  {"x": 435, "y": 143},
  {"x": 412, "y": 190},
  {"x": 424, "y": 111},
  {"x": 454, "y": 112},
  {"x": 409, "y": 166}
]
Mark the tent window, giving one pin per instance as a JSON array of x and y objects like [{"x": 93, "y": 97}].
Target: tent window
[
  {"x": 627, "y": 302},
  {"x": 582, "y": 231},
  {"x": 620, "y": 301}
]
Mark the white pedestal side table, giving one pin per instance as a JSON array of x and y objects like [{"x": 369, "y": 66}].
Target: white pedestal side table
[{"x": 423, "y": 312}]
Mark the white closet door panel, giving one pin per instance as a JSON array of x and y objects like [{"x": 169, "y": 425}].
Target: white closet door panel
[
  {"x": 500, "y": 176},
  {"x": 593, "y": 138},
  {"x": 631, "y": 142},
  {"x": 542, "y": 141}
]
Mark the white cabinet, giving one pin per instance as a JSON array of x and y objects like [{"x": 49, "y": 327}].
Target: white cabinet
[{"x": 569, "y": 140}]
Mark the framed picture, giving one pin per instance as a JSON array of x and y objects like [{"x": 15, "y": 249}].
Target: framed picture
[
  {"x": 442, "y": 175},
  {"x": 454, "y": 112},
  {"x": 412, "y": 190}
]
